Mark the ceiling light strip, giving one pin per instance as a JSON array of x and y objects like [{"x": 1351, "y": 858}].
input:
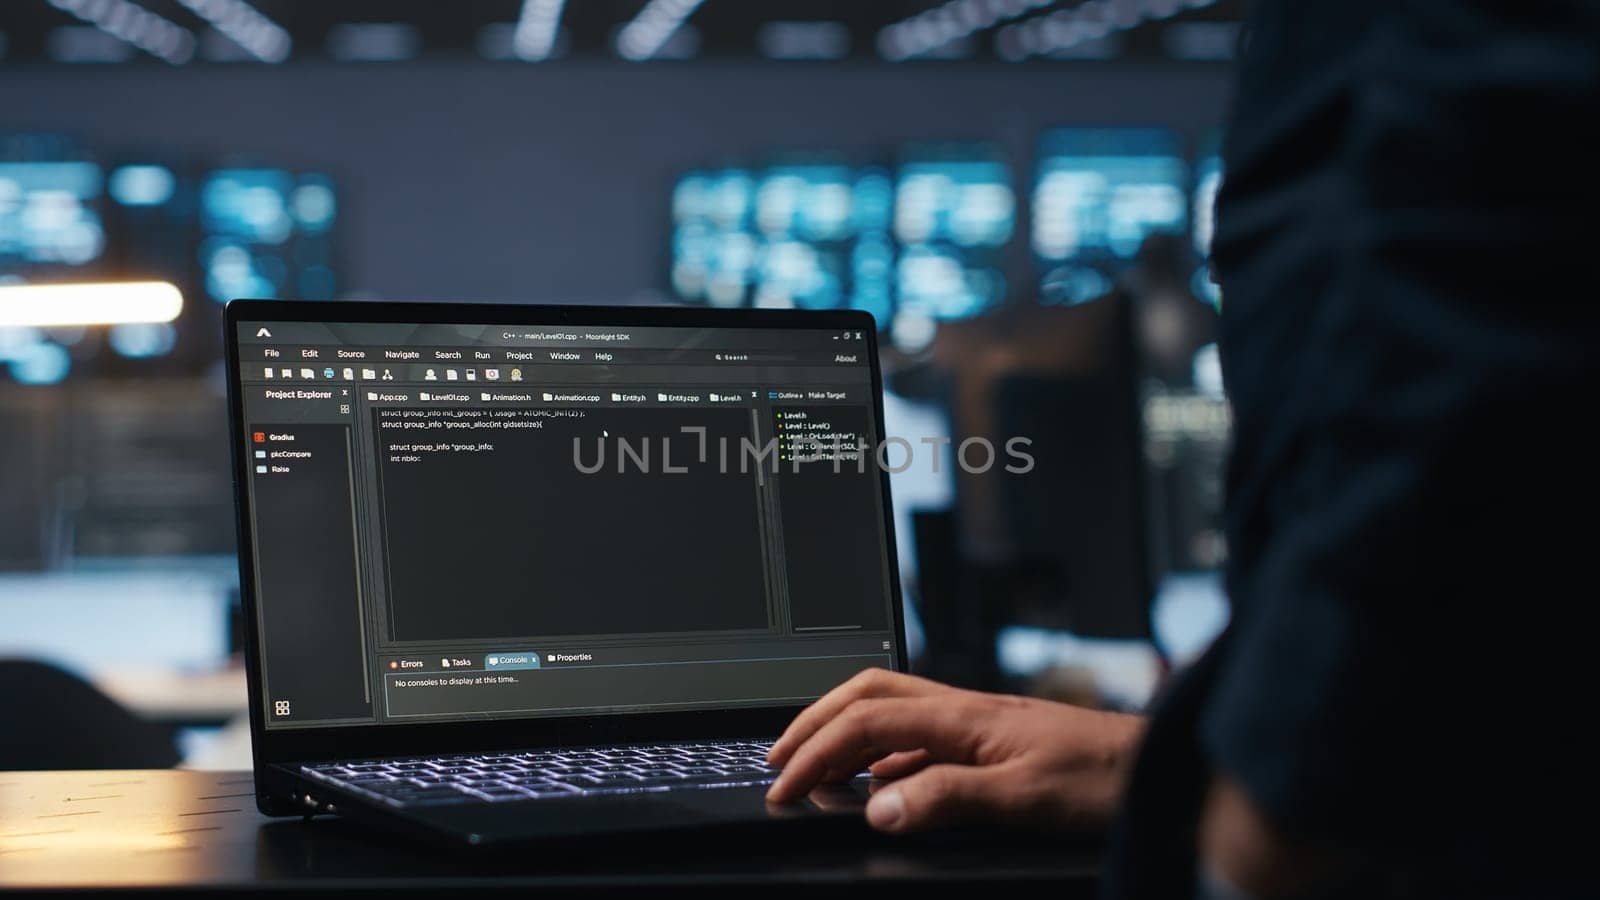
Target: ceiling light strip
[
  {"x": 243, "y": 24},
  {"x": 1088, "y": 21},
  {"x": 535, "y": 37},
  {"x": 949, "y": 22},
  {"x": 135, "y": 25},
  {"x": 649, "y": 31}
]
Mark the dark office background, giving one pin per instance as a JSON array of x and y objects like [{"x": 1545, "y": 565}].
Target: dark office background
[
  {"x": 459, "y": 170},
  {"x": 469, "y": 180}
]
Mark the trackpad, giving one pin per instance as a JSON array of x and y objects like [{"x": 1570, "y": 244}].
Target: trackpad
[{"x": 712, "y": 805}]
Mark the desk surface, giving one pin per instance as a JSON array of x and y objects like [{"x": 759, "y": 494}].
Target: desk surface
[{"x": 179, "y": 829}]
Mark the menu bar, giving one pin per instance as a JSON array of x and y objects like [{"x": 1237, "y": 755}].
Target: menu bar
[{"x": 319, "y": 356}]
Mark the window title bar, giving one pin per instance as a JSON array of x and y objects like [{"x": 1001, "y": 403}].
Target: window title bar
[{"x": 367, "y": 334}]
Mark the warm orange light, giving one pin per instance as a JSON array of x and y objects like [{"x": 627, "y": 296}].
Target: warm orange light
[{"x": 107, "y": 303}]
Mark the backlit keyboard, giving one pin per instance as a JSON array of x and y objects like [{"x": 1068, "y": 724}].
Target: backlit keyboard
[{"x": 544, "y": 774}]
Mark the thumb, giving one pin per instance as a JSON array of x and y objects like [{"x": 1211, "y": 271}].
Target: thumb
[{"x": 938, "y": 795}]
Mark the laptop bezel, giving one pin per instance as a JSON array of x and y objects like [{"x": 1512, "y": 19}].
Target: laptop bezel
[{"x": 278, "y": 747}]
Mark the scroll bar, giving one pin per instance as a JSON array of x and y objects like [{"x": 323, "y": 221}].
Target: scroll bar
[{"x": 355, "y": 559}]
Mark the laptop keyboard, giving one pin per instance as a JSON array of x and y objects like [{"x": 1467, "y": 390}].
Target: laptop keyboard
[{"x": 500, "y": 777}]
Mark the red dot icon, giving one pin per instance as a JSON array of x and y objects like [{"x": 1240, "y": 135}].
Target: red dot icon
[{"x": 259, "y": 437}]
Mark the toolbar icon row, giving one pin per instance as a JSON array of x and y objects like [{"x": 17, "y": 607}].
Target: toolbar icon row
[
  {"x": 471, "y": 374},
  {"x": 348, "y": 374}
]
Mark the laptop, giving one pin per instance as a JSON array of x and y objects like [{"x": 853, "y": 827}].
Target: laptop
[{"x": 513, "y": 573}]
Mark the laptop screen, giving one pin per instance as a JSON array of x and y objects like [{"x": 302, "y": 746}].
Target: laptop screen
[{"x": 454, "y": 522}]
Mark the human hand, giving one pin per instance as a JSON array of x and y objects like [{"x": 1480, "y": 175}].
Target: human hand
[{"x": 958, "y": 756}]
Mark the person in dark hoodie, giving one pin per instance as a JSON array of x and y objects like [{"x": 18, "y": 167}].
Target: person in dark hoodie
[{"x": 1410, "y": 340}]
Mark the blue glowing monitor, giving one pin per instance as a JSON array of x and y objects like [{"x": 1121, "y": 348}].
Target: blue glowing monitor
[
  {"x": 267, "y": 234},
  {"x": 954, "y": 210},
  {"x": 809, "y": 202},
  {"x": 803, "y": 232},
  {"x": 825, "y": 237},
  {"x": 48, "y": 215},
  {"x": 143, "y": 184},
  {"x": 1098, "y": 193},
  {"x": 965, "y": 202},
  {"x": 804, "y": 214},
  {"x": 714, "y": 251},
  {"x": 249, "y": 204},
  {"x": 722, "y": 199},
  {"x": 51, "y": 228}
]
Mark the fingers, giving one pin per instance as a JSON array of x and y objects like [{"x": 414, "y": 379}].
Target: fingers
[
  {"x": 870, "y": 683},
  {"x": 940, "y": 795},
  {"x": 869, "y": 729},
  {"x": 899, "y": 765}
]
